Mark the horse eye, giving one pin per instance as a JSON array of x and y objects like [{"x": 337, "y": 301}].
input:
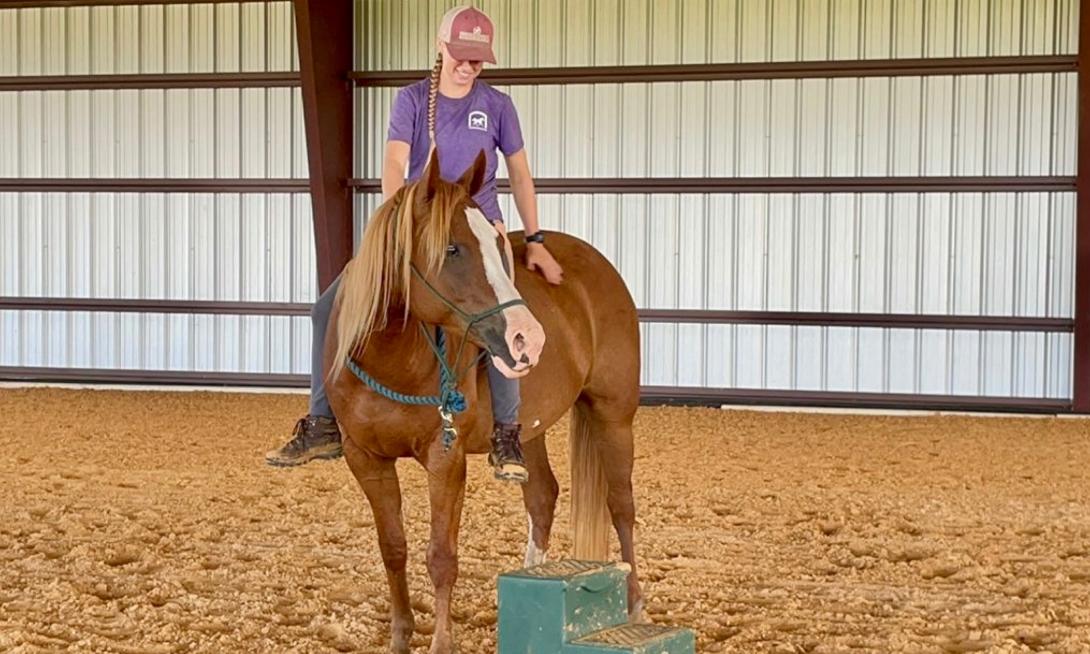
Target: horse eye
[{"x": 452, "y": 250}]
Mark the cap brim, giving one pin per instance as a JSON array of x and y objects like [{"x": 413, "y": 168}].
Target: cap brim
[{"x": 471, "y": 52}]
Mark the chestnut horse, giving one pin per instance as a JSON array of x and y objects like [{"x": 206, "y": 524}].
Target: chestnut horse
[{"x": 429, "y": 259}]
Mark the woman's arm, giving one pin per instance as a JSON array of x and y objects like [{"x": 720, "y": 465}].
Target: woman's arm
[
  {"x": 522, "y": 187},
  {"x": 393, "y": 167}
]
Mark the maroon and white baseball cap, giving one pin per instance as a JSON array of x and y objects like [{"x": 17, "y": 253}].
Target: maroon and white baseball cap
[{"x": 468, "y": 33}]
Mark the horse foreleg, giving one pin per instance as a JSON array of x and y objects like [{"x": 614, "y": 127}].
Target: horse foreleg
[
  {"x": 378, "y": 479},
  {"x": 446, "y": 489},
  {"x": 539, "y": 496}
]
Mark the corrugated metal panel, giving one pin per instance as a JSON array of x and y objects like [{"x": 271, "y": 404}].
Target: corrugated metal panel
[
  {"x": 994, "y": 254},
  {"x": 400, "y": 35},
  {"x": 226, "y": 133},
  {"x": 199, "y": 247},
  {"x": 220, "y": 37},
  {"x": 964, "y": 125},
  {"x": 248, "y": 247},
  {"x": 989, "y": 254}
]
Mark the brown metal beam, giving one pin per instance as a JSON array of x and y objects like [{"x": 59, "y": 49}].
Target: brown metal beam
[
  {"x": 219, "y": 307},
  {"x": 745, "y": 71},
  {"x": 698, "y": 316},
  {"x": 324, "y": 31},
  {"x": 642, "y": 185},
  {"x": 569, "y": 185},
  {"x": 149, "y": 81},
  {"x": 1081, "y": 373},
  {"x": 140, "y": 185},
  {"x": 881, "y": 320},
  {"x": 49, "y": 4},
  {"x": 649, "y": 395},
  {"x": 137, "y": 376},
  {"x": 743, "y": 396}
]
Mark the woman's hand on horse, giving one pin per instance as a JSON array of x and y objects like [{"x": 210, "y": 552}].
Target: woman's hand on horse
[{"x": 538, "y": 258}]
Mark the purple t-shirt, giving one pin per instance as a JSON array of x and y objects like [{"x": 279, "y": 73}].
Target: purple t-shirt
[{"x": 484, "y": 119}]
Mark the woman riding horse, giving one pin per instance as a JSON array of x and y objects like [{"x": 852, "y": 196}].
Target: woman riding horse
[
  {"x": 460, "y": 115},
  {"x": 431, "y": 289}
]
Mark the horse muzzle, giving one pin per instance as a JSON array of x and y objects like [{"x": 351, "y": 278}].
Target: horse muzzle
[{"x": 522, "y": 342}]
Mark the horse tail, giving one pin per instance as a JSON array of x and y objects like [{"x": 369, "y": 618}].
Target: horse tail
[{"x": 590, "y": 518}]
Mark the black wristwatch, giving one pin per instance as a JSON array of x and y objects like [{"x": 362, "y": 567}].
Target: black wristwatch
[{"x": 536, "y": 237}]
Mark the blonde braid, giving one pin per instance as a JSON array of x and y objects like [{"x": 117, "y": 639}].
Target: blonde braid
[{"x": 433, "y": 94}]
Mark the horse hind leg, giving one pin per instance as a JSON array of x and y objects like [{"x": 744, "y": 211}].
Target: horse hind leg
[
  {"x": 539, "y": 496},
  {"x": 378, "y": 479},
  {"x": 610, "y": 426}
]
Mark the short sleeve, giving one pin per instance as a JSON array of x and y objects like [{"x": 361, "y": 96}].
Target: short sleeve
[
  {"x": 402, "y": 117},
  {"x": 510, "y": 129}
]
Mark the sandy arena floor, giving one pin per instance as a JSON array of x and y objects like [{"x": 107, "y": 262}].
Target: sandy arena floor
[{"x": 148, "y": 522}]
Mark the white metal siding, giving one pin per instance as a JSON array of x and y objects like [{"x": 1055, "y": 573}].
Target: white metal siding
[
  {"x": 398, "y": 35},
  {"x": 174, "y": 133},
  {"x": 224, "y": 246},
  {"x": 197, "y": 38},
  {"x": 959, "y": 125},
  {"x": 988, "y": 253},
  {"x": 966, "y": 253}
]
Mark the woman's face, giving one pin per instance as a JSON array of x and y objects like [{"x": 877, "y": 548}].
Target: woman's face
[{"x": 460, "y": 73}]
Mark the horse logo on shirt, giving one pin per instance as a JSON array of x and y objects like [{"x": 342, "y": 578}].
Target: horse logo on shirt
[{"x": 478, "y": 120}]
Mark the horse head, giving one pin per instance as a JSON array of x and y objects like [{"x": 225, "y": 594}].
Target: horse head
[{"x": 431, "y": 252}]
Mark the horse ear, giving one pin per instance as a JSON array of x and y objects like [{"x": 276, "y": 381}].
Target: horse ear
[
  {"x": 473, "y": 178},
  {"x": 431, "y": 175}
]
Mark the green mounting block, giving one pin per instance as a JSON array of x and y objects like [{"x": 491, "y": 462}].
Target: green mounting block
[{"x": 577, "y": 607}]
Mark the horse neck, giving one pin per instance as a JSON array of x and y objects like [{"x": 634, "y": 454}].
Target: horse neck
[{"x": 400, "y": 358}]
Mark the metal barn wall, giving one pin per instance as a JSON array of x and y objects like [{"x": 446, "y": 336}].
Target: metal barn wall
[
  {"x": 185, "y": 246},
  {"x": 976, "y": 253}
]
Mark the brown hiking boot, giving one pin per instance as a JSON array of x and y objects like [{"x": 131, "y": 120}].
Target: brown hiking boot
[
  {"x": 314, "y": 437},
  {"x": 506, "y": 455}
]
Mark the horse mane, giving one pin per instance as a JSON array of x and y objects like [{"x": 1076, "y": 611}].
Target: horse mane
[{"x": 377, "y": 279}]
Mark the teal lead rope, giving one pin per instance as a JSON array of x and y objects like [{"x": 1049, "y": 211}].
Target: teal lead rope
[{"x": 450, "y": 400}]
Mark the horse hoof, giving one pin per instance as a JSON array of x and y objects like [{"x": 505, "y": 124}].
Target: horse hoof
[
  {"x": 443, "y": 648},
  {"x": 401, "y": 639},
  {"x": 637, "y": 615}
]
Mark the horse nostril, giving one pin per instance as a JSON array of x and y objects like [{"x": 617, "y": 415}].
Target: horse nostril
[{"x": 520, "y": 342}]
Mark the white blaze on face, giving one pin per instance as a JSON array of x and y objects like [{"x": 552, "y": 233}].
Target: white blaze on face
[
  {"x": 525, "y": 336},
  {"x": 493, "y": 262}
]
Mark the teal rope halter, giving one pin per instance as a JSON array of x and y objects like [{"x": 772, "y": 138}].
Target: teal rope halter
[{"x": 449, "y": 400}]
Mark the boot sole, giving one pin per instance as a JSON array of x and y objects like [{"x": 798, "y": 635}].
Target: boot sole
[
  {"x": 515, "y": 477},
  {"x": 512, "y": 477},
  {"x": 291, "y": 464}
]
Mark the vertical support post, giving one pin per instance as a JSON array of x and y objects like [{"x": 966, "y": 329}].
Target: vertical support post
[
  {"x": 1081, "y": 382},
  {"x": 324, "y": 35}
]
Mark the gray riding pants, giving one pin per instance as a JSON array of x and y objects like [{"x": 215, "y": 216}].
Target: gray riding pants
[{"x": 504, "y": 391}]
